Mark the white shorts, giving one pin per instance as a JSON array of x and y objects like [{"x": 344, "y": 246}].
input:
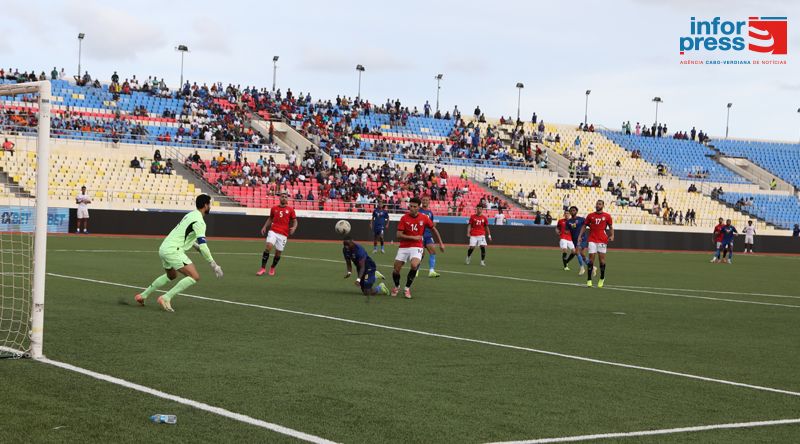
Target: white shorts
[
  {"x": 278, "y": 240},
  {"x": 748, "y": 239},
  {"x": 597, "y": 248},
  {"x": 406, "y": 254},
  {"x": 477, "y": 241},
  {"x": 566, "y": 244},
  {"x": 83, "y": 213}
]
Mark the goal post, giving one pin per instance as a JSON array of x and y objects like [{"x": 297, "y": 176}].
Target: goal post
[{"x": 22, "y": 321}]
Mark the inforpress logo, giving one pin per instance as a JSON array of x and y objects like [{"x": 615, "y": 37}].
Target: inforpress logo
[{"x": 763, "y": 35}]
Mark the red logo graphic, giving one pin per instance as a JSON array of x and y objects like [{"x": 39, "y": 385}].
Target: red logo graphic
[{"x": 768, "y": 35}]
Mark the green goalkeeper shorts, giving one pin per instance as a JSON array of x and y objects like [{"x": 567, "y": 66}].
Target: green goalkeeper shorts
[{"x": 176, "y": 259}]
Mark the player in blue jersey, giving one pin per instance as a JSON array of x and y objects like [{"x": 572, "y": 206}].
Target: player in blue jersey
[
  {"x": 574, "y": 224},
  {"x": 379, "y": 224},
  {"x": 427, "y": 237},
  {"x": 728, "y": 233},
  {"x": 367, "y": 270}
]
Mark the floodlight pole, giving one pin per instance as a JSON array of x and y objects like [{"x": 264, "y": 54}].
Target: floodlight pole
[{"x": 728, "y": 119}]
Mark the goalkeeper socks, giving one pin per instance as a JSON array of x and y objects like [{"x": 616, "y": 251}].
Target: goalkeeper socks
[
  {"x": 469, "y": 251},
  {"x": 602, "y": 271},
  {"x": 396, "y": 279},
  {"x": 412, "y": 273},
  {"x": 432, "y": 262},
  {"x": 158, "y": 283},
  {"x": 182, "y": 284},
  {"x": 264, "y": 259},
  {"x": 275, "y": 261},
  {"x": 483, "y": 253}
]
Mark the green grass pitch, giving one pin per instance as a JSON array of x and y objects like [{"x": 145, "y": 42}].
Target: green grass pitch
[{"x": 359, "y": 383}]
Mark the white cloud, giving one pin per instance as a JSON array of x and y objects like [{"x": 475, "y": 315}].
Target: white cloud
[{"x": 112, "y": 33}]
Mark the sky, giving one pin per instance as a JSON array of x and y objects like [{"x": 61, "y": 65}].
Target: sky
[{"x": 625, "y": 52}]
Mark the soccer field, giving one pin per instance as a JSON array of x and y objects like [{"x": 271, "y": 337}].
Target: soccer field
[{"x": 516, "y": 350}]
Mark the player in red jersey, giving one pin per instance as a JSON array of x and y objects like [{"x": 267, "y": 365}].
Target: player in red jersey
[
  {"x": 410, "y": 232},
  {"x": 716, "y": 239},
  {"x": 597, "y": 223},
  {"x": 478, "y": 232},
  {"x": 565, "y": 240},
  {"x": 281, "y": 223}
]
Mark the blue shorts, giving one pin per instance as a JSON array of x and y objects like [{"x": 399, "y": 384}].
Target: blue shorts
[
  {"x": 377, "y": 231},
  {"x": 581, "y": 245},
  {"x": 427, "y": 240},
  {"x": 369, "y": 278}
]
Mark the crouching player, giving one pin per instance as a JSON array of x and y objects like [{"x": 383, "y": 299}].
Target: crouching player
[{"x": 367, "y": 271}]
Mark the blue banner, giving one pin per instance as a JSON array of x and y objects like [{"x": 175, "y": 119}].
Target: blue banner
[{"x": 22, "y": 219}]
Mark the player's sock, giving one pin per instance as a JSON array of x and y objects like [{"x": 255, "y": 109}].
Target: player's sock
[
  {"x": 569, "y": 258},
  {"x": 483, "y": 253},
  {"x": 602, "y": 271},
  {"x": 469, "y": 251},
  {"x": 264, "y": 259},
  {"x": 396, "y": 279},
  {"x": 590, "y": 267},
  {"x": 564, "y": 259},
  {"x": 716, "y": 255},
  {"x": 275, "y": 261},
  {"x": 182, "y": 284},
  {"x": 432, "y": 262},
  {"x": 158, "y": 283},
  {"x": 581, "y": 261},
  {"x": 412, "y": 273},
  {"x": 381, "y": 244}
]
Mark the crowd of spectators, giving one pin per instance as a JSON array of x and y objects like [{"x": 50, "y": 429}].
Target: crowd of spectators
[
  {"x": 371, "y": 184},
  {"x": 660, "y": 130}
]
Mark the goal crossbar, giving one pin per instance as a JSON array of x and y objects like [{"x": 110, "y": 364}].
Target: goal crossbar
[{"x": 43, "y": 89}]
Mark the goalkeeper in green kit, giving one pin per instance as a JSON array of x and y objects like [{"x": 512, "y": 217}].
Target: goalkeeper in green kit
[{"x": 189, "y": 233}]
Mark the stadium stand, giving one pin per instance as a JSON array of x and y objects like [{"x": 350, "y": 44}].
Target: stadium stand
[
  {"x": 683, "y": 158},
  {"x": 782, "y": 159},
  {"x": 366, "y": 136},
  {"x": 781, "y": 211}
]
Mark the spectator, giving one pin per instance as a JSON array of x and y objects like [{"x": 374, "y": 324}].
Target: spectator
[
  {"x": 773, "y": 184},
  {"x": 157, "y": 156},
  {"x": 135, "y": 163},
  {"x": 310, "y": 196},
  {"x": 169, "y": 167},
  {"x": 548, "y": 219},
  {"x": 500, "y": 218},
  {"x": 8, "y": 146},
  {"x": 796, "y": 231}
]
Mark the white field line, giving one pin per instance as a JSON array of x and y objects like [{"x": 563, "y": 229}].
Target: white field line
[
  {"x": 633, "y": 289},
  {"x": 191, "y": 403},
  {"x": 456, "y": 338},
  {"x": 703, "y": 428}
]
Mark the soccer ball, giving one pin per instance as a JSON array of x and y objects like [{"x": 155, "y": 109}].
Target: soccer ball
[{"x": 343, "y": 227}]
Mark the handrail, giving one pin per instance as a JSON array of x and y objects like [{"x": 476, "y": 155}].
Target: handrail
[{"x": 136, "y": 138}]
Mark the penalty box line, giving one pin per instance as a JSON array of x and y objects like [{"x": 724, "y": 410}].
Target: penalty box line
[
  {"x": 189, "y": 402},
  {"x": 626, "y": 288},
  {"x": 703, "y": 428},
  {"x": 457, "y": 338}
]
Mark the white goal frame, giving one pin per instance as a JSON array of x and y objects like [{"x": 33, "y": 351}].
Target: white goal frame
[{"x": 43, "y": 89}]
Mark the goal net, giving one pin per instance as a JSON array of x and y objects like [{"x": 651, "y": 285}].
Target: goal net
[{"x": 24, "y": 160}]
